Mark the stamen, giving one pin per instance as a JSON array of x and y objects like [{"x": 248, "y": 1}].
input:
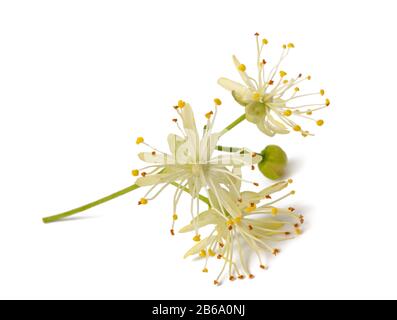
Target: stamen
[
  {"x": 181, "y": 104},
  {"x": 140, "y": 140},
  {"x": 197, "y": 238},
  {"x": 242, "y": 67},
  {"x": 135, "y": 172},
  {"x": 217, "y": 101}
]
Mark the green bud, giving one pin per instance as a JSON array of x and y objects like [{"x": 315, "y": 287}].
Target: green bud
[{"x": 273, "y": 163}]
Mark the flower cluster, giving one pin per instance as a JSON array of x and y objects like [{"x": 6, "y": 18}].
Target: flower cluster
[{"x": 239, "y": 222}]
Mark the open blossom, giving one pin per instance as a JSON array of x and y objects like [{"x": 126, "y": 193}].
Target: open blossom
[
  {"x": 273, "y": 101},
  {"x": 249, "y": 221},
  {"x": 191, "y": 164}
]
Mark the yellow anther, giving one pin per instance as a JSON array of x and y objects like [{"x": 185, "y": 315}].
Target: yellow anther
[
  {"x": 135, "y": 173},
  {"x": 309, "y": 112},
  {"x": 242, "y": 67},
  {"x": 274, "y": 211},
  {"x": 217, "y": 101},
  {"x": 283, "y": 74},
  {"x": 287, "y": 113},
  {"x": 320, "y": 122},
  {"x": 298, "y": 231},
  {"x": 203, "y": 254},
  {"x": 297, "y": 128},
  {"x": 309, "y": 77},
  {"x": 211, "y": 253},
  {"x": 285, "y": 81},
  {"x": 284, "y": 46},
  {"x": 263, "y": 267},
  {"x": 205, "y": 270},
  {"x": 264, "y": 41},
  {"x": 327, "y": 102},
  {"x": 256, "y": 96},
  {"x": 293, "y": 192},
  {"x": 197, "y": 238},
  {"x": 290, "y": 181},
  {"x": 322, "y": 92},
  {"x": 297, "y": 89},
  {"x": 143, "y": 201},
  {"x": 175, "y": 217},
  {"x": 291, "y": 45},
  {"x": 237, "y": 219},
  {"x": 181, "y": 104},
  {"x": 140, "y": 140},
  {"x": 208, "y": 115},
  {"x": 230, "y": 222}
]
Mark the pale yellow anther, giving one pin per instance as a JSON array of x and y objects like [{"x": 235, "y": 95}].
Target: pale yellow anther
[
  {"x": 327, "y": 102},
  {"x": 298, "y": 231},
  {"x": 203, "y": 254},
  {"x": 181, "y": 104},
  {"x": 309, "y": 77},
  {"x": 217, "y": 101},
  {"x": 297, "y": 89},
  {"x": 143, "y": 201},
  {"x": 322, "y": 92},
  {"x": 274, "y": 211},
  {"x": 211, "y": 253},
  {"x": 320, "y": 122},
  {"x": 230, "y": 222},
  {"x": 297, "y": 128},
  {"x": 291, "y": 45},
  {"x": 283, "y": 74},
  {"x": 205, "y": 270},
  {"x": 208, "y": 115},
  {"x": 309, "y": 112},
  {"x": 284, "y": 46},
  {"x": 265, "y": 41},
  {"x": 242, "y": 67},
  {"x": 293, "y": 192},
  {"x": 135, "y": 173},
  {"x": 140, "y": 140},
  {"x": 237, "y": 219},
  {"x": 256, "y": 96},
  {"x": 285, "y": 81},
  {"x": 175, "y": 217},
  {"x": 287, "y": 113},
  {"x": 197, "y": 238},
  {"x": 290, "y": 181}
]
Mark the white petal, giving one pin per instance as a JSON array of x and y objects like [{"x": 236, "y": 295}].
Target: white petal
[
  {"x": 203, "y": 219},
  {"x": 189, "y": 123},
  {"x": 155, "y": 158},
  {"x": 174, "y": 142},
  {"x": 202, "y": 245},
  {"x": 243, "y": 74},
  {"x": 262, "y": 126},
  {"x": 231, "y": 85}
]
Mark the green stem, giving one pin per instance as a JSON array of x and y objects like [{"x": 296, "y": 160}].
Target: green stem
[
  {"x": 234, "y": 123},
  {"x": 90, "y": 205}
]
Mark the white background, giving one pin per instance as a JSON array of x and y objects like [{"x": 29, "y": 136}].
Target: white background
[{"x": 80, "y": 80}]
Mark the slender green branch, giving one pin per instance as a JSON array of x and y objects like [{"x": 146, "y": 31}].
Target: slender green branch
[
  {"x": 90, "y": 205},
  {"x": 234, "y": 123}
]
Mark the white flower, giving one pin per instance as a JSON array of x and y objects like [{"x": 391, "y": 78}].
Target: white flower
[
  {"x": 271, "y": 101},
  {"x": 191, "y": 164},
  {"x": 247, "y": 225}
]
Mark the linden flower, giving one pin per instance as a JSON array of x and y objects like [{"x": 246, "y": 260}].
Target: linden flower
[
  {"x": 191, "y": 164},
  {"x": 272, "y": 100},
  {"x": 248, "y": 225}
]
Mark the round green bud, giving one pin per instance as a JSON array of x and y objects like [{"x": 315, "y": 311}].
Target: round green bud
[{"x": 273, "y": 163}]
